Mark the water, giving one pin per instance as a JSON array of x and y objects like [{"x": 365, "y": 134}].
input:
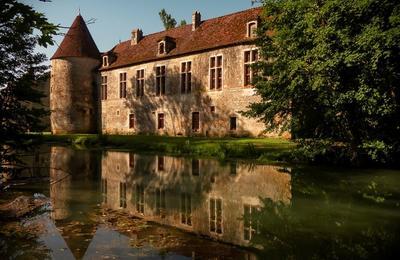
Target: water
[{"x": 114, "y": 204}]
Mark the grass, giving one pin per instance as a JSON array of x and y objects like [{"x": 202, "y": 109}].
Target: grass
[{"x": 263, "y": 149}]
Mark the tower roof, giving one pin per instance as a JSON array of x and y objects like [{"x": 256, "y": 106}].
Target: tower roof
[{"x": 77, "y": 42}]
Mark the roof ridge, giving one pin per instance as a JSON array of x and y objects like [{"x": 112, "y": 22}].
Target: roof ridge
[{"x": 187, "y": 25}]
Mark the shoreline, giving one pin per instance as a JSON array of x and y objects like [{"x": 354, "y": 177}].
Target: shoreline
[{"x": 264, "y": 150}]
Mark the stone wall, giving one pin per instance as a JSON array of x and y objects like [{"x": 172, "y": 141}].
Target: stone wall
[
  {"x": 73, "y": 95},
  {"x": 177, "y": 108}
]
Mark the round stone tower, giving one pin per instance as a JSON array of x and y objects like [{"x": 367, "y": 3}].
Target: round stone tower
[{"x": 73, "y": 85}]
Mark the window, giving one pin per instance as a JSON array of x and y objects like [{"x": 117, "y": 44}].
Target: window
[
  {"x": 122, "y": 195},
  {"x": 160, "y": 203},
  {"x": 105, "y": 61},
  {"x": 104, "y": 190},
  {"x": 233, "y": 168},
  {"x": 161, "y": 47},
  {"x": 160, "y": 163},
  {"x": 131, "y": 121},
  {"x": 140, "y": 83},
  {"x": 216, "y": 72},
  {"x": 160, "y": 121},
  {"x": 117, "y": 112},
  {"x": 104, "y": 87},
  {"x": 139, "y": 199},
  {"x": 195, "y": 121},
  {"x": 160, "y": 80},
  {"x": 250, "y": 57},
  {"x": 195, "y": 167},
  {"x": 186, "y": 209},
  {"x": 186, "y": 77},
  {"x": 216, "y": 215},
  {"x": 131, "y": 160},
  {"x": 233, "y": 123},
  {"x": 122, "y": 85},
  {"x": 249, "y": 224},
  {"x": 212, "y": 109},
  {"x": 252, "y": 29}
]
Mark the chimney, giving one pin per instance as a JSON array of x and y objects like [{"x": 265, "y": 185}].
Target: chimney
[
  {"x": 137, "y": 35},
  {"x": 196, "y": 20}
]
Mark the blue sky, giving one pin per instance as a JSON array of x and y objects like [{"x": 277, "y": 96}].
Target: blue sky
[{"x": 115, "y": 19}]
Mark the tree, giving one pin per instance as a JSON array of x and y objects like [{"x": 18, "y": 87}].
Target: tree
[
  {"x": 332, "y": 71},
  {"x": 168, "y": 21},
  {"x": 183, "y": 22},
  {"x": 21, "y": 69}
]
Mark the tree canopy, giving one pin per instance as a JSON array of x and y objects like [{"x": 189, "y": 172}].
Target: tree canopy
[
  {"x": 21, "y": 69},
  {"x": 331, "y": 70},
  {"x": 168, "y": 21}
]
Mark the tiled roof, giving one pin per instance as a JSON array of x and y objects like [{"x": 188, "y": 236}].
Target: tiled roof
[
  {"x": 77, "y": 42},
  {"x": 213, "y": 33}
]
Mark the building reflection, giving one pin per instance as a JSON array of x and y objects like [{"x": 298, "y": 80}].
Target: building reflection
[{"x": 201, "y": 196}]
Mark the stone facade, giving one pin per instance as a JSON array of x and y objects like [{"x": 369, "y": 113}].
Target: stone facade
[
  {"x": 177, "y": 107},
  {"x": 73, "y": 97},
  {"x": 204, "y": 111}
]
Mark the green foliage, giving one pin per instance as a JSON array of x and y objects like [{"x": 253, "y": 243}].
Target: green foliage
[
  {"x": 331, "y": 70},
  {"x": 183, "y": 22},
  {"x": 21, "y": 69},
  {"x": 168, "y": 21},
  {"x": 221, "y": 148}
]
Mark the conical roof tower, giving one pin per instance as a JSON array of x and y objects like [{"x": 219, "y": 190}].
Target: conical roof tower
[
  {"x": 74, "y": 80},
  {"x": 77, "y": 42}
]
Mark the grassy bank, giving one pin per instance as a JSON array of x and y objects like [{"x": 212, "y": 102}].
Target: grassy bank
[{"x": 263, "y": 149}]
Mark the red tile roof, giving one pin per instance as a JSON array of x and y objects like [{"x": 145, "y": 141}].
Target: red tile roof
[
  {"x": 77, "y": 42},
  {"x": 211, "y": 34}
]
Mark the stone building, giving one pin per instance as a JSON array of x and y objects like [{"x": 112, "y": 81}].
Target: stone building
[{"x": 190, "y": 80}]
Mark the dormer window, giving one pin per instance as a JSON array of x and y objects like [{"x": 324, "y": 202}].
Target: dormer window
[
  {"x": 165, "y": 45},
  {"x": 105, "y": 61},
  {"x": 161, "y": 48},
  {"x": 252, "y": 29}
]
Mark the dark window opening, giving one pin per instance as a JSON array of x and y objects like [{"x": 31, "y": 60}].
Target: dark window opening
[
  {"x": 161, "y": 48},
  {"x": 160, "y": 203},
  {"x": 140, "y": 83},
  {"x": 233, "y": 168},
  {"x": 186, "y": 209},
  {"x": 160, "y": 80},
  {"x": 131, "y": 160},
  {"x": 160, "y": 163},
  {"x": 131, "y": 121},
  {"x": 104, "y": 190},
  {"x": 122, "y": 195},
  {"x": 139, "y": 199},
  {"x": 195, "y": 167},
  {"x": 186, "y": 77},
  {"x": 233, "y": 123},
  {"x": 216, "y": 215},
  {"x": 195, "y": 121},
  {"x": 160, "y": 121},
  {"x": 104, "y": 87},
  {"x": 252, "y": 29},
  {"x": 122, "y": 85},
  {"x": 216, "y": 73},
  {"x": 250, "y": 57},
  {"x": 250, "y": 225},
  {"x": 212, "y": 109}
]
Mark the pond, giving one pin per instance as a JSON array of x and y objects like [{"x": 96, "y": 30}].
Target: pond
[{"x": 119, "y": 204}]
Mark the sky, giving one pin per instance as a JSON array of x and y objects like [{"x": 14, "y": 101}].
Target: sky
[{"x": 115, "y": 19}]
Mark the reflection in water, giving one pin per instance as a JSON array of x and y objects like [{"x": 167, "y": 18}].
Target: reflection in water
[
  {"x": 309, "y": 213},
  {"x": 194, "y": 195},
  {"x": 200, "y": 196}
]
